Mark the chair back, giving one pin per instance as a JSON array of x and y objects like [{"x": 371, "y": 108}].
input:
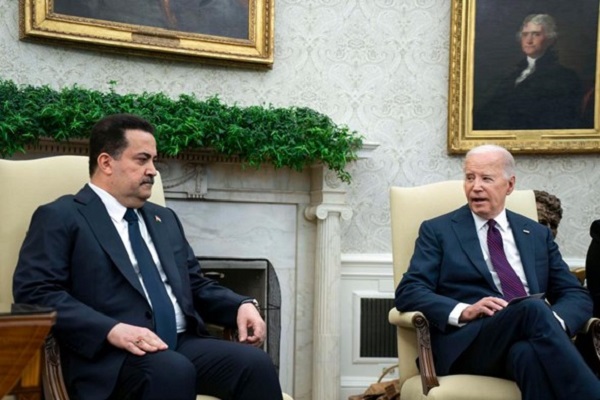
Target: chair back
[
  {"x": 409, "y": 207},
  {"x": 24, "y": 186}
]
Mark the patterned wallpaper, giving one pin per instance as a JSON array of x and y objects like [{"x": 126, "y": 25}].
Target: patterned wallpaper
[{"x": 379, "y": 66}]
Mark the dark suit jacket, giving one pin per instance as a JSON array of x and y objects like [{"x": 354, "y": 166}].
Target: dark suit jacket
[
  {"x": 73, "y": 259},
  {"x": 550, "y": 98},
  {"x": 448, "y": 267},
  {"x": 592, "y": 266}
]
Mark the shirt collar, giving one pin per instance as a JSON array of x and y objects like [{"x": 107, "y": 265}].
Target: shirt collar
[
  {"x": 501, "y": 221},
  {"x": 116, "y": 210}
]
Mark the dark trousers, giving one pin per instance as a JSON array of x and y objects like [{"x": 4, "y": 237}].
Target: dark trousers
[
  {"x": 526, "y": 343},
  {"x": 210, "y": 366}
]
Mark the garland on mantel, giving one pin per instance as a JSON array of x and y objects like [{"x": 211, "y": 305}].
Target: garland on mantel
[{"x": 293, "y": 137}]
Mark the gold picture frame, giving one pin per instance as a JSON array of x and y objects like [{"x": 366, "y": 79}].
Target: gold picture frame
[
  {"x": 231, "y": 32},
  {"x": 485, "y": 43}
]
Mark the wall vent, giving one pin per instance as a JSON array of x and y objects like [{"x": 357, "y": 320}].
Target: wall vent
[{"x": 377, "y": 335}]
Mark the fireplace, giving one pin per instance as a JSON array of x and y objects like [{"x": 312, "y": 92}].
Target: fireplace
[
  {"x": 291, "y": 219},
  {"x": 255, "y": 278}
]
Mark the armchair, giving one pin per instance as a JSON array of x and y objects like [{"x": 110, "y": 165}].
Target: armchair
[
  {"x": 25, "y": 186},
  {"x": 408, "y": 208}
]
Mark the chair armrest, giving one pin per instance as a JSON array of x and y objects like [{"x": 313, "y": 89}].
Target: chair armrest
[
  {"x": 416, "y": 320},
  {"x": 403, "y": 319},
  {"x": 52, "y": 377},
  {"x": 592, "y": 328}
]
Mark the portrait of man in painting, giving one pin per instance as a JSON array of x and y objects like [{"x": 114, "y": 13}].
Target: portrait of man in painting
[
  {"x": 534, "y": 64},
  {"x": 226, "y": 18}
]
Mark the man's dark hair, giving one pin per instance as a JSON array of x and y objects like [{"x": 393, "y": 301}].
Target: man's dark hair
[{"x": 108, "y": 136}]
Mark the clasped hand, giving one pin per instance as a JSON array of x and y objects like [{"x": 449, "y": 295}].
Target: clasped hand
[{"x": 486, "y": 307}]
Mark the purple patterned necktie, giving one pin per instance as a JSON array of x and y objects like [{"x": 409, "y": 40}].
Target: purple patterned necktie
[{"x": 511, "y": 284}]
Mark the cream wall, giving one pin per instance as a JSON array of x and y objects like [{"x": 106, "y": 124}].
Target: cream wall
[{"x": 379, "y": 66}]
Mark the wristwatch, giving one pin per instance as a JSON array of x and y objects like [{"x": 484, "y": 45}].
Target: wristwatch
[{"x": 254, "y": 302}]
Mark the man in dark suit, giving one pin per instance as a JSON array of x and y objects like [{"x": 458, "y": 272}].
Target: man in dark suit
[
  {"x": 539, "y": 93},
  {"x": 119, "y": 338},
  {"x": 462, "y": 281}
]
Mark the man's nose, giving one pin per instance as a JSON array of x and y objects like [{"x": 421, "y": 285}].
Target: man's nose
[
  {"x": 152, "y": 170},
  {"x": 477, "y": 184}
]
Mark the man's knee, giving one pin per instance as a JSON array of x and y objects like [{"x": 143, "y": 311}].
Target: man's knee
[
  {"x": 254, "y": 358},
  {"x": 535, "y": 314},
  {"x": 174, "y": 368},
  {"x": 160, "y": 375},
  {"x": 167, "y": 369}
]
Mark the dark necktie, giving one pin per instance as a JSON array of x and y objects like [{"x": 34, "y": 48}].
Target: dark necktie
[
  {"x": 164, "y": 315},
  {"x": 511, "y": 284}
]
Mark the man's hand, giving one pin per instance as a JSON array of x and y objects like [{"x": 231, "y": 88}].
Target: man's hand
[
  {"x": 485, "y": 307},
  {"x": 251, "y": 327},
  {"x": 135, "y": 339}
]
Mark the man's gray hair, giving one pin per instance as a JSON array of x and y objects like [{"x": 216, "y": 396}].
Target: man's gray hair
[
  {"x": 544, "y": 20},
  {"x": 509, "y": 161}
]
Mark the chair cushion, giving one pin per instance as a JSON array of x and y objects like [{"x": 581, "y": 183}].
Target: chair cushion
[{"x": 462, "y": 387}]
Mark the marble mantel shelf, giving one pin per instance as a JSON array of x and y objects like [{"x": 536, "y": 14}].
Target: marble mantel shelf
[{"x": 81, "y": 147}]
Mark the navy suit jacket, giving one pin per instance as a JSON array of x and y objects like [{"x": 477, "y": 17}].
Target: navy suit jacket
[
  {"x": 448, "y": 268},
  {"x": 74, "y": 260}
]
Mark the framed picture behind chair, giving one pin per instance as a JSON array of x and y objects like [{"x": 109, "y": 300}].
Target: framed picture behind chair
[
  {"x": 524, "y": 75},
  {"x": 237, "y": 32}
]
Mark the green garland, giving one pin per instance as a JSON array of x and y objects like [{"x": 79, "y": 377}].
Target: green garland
[{"x": 293, "y": 137}]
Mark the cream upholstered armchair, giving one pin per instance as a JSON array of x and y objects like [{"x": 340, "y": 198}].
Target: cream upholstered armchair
[
  {"x": 409, "y": 207},
  {"x": 25, "y": 186}
]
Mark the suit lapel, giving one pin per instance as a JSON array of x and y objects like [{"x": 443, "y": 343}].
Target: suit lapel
[
  {"x": 525, "y": 244},
  {"x": 465, "y": 230},
  {"x": 94, "y": 211},
  {"x": 158, "y": 232}
]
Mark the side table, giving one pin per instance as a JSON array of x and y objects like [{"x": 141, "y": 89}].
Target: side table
[{"x": 23, "y": 329}]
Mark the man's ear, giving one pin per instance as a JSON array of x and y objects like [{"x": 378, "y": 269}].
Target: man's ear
[
  {"x": 511, "y": 185},
  {"x": 105, "y": 164}
]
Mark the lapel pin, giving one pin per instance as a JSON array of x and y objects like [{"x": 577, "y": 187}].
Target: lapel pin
[
  {"x": 157, "y": 219},
  {"x": 526, "y": 231}
]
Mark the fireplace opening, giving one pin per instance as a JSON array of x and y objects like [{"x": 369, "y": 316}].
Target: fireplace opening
[{"x": 254, "y": 278}]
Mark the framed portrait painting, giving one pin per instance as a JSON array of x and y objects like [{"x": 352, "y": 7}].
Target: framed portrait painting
[
  {"x": 224, "y": 31},
  {"x": 524, "y": 75}
]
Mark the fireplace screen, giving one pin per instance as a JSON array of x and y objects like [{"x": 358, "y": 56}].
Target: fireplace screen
[{"x": 254, "y": 278}]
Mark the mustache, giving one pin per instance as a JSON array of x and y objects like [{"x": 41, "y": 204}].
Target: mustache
[{"x": 149, "y": 180}]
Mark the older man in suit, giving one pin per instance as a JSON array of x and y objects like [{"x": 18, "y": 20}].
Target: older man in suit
[
  {"x": 132, "y": 303},
  {"x": 470, "y": 263}
]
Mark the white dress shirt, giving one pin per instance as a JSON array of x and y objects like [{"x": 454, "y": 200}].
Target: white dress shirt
[
  {"x": 510, "y": 249},
  {"x": 116, "y": 211},
  {"x": 512, "y": 255}
]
